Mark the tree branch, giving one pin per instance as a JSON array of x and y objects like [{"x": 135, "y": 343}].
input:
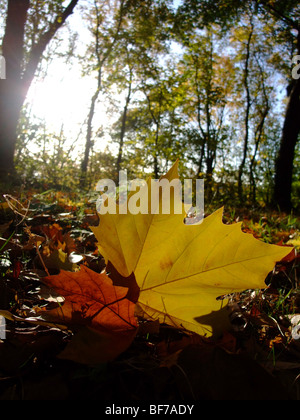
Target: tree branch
[
  {"x": 39, "y": 48},
  {"x": 277, "y": 13}
]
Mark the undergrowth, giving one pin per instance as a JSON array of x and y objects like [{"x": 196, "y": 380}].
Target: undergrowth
[{"x": 262, "y": 322}]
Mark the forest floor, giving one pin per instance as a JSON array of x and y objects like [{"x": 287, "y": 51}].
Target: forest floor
[{"x": 259, "y": 358}]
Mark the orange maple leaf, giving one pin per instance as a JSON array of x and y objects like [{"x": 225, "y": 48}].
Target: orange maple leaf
[
  {"x": 97, "y": 311},
  {"x": 92, "y": 300}
]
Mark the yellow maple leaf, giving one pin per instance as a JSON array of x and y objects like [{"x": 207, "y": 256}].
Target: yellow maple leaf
[{"x": 181, "y": 269}]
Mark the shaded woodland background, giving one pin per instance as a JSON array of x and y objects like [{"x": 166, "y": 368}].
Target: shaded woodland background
[{"x": 208, "y": 82}]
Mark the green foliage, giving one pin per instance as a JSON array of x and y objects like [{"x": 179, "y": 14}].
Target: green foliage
[
  {"x": 43, "y": 159},
  {"x": 194, "y": 82}
]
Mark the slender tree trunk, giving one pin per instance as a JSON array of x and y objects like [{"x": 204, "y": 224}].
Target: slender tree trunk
[
  {"x": 247, "y": 117},
  {"x": 88, "y": 141},
  {"x": 156, "y": 166},
  {"x": 200, "y": 164},
  {"x": 258, "y": 135},
  {"x": 123, "y": 126},
  {"x": 89, "y": 130},
  {"x": 156, "y": 120},
  {"x": 101, "y": 57},
  {"x": 282, "y": 195},
  {"x": 202, "y": 135},
  {"x": 14, "y": 88}
]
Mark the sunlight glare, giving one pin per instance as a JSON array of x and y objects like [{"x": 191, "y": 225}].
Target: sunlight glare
[{"x": 61, "y": 100}]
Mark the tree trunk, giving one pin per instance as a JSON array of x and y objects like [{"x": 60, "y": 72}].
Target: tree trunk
[
  {"x": 89, "y": 141},
  {"x": 123, "y": 126},
  {"x": 202, "y": 152},
  {"x": 258, "y": 136},
  {"x": 202, "y": 135},
  {"x": 14, "y": 88},
  {"x": 282, "y": 195},
  {"x": 155, "y": 158},
  {"x": 156, "y": 121},
  {"x": 247, "y": 116},
  {"x": 284, "y": 162},
  {"x": 11, "y": 92},
  {"x": 102, "y": 55}
]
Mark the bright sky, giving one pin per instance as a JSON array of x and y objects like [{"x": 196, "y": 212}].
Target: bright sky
[
  {"x": 64, "y": 96},
  {"x": 61, "y": 97}
]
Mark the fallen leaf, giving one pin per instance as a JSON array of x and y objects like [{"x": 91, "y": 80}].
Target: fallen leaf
[
  {"x": 90, "y": 347},
  {"x": 33, "y": 241},
  {"x": 92, "y": 300},
  {"x": 58, "y": 260},
  {"x": 31, "y": 320},
  {"x": 129, "y": 282},
  {"x": 99, "y": 312},
  {"x": 181, "y": 269},
  {"x": 294, "y": 242}
]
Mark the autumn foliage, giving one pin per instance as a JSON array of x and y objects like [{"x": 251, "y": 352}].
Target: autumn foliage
[{"x": 123, "y": 277}]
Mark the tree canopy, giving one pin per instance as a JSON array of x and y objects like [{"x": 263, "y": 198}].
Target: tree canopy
[{"x": 208, "y": 82}]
